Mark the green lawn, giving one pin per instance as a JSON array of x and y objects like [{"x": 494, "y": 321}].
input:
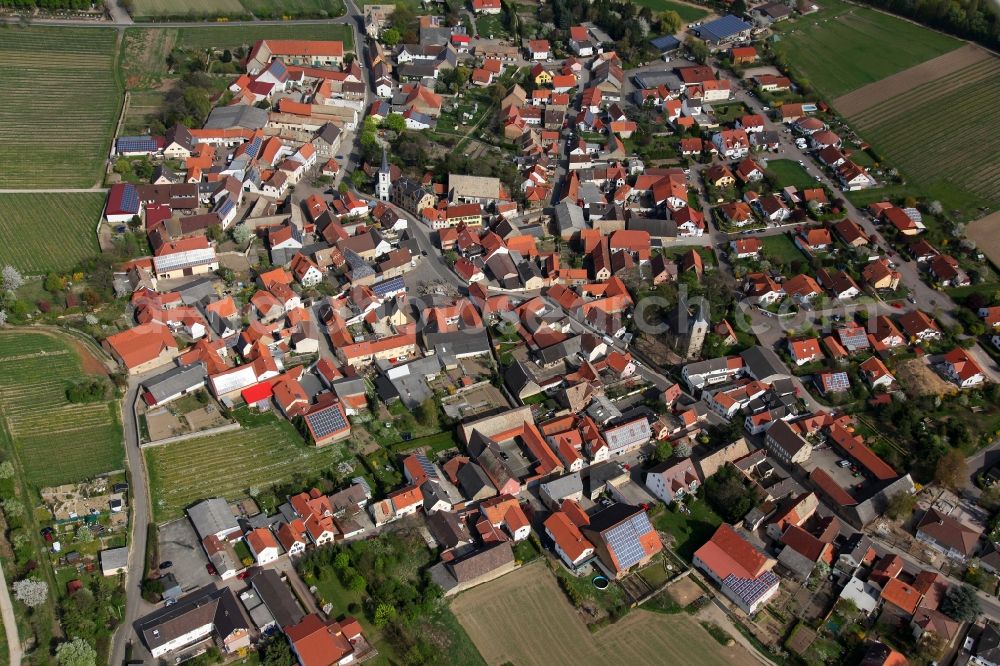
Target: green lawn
[
  {"x": 265, "y": 452},
  {"x": 789, "y": 172},
  {"x": 729, "y": 112},
  {"x": 31, "y": 222},
  {"x": 61, "y": 97},
  {"x": 490, "y": 24},
  {"x": 691, "y": 531},
  {"x": 781, "y": 248},
  {"x": 848, "y": 46},
  {"x": 56, "y": 441},
  {"x": 434, "y": 443},
  {"x": 687, "y": 13}
]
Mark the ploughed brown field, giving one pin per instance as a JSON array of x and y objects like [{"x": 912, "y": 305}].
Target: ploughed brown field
[{"x": 865, "y": 97}]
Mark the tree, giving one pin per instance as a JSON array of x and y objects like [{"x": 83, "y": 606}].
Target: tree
[
  {"x": 3, "y": 317},
  {"x": 76, "y": 652},
  {"x": 739, "y": 7},
  {"x": 664, "y": 451},
  {"x": 357, "y": 583},
  {"x": 961, "y": 603},
  {"x": 84, "y": 535},
  {"x": 31, "y": 592},
  {"x": 901, "y": 505},
  {"x": 13, "y": 508},
  {"x": 277, "y": 652},
  {"x": 698, "y": 49},
  {"x": 384, "y": 614},
  {"x": 54, "y": 283},
  {"x": 395, "y": 122},
  {"x": 6, "y": 469},
  {"x": 682, "y": 450},
  {"x": 427, "y": 413},
  {"x": 12, "y": 278},
  {"x": 390, "y": 37},
  {"x": 242, "y": 234},
  {"x": 670, "y": 22},
  {"x": 951, "y": 471}
]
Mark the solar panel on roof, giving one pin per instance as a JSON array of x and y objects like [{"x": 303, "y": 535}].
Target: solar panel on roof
[
  {"x": 427, "y": 466},
  {"x": 388, "y": 286},
  {"x": 750, "y": 590},
  {"x": 135, "y": 144},
  {"x": 837, "y": 380},
  {"x": 326, "y": 421},
  {"x": 130, "y": 198},
  {"x": 623, "y": 539}
]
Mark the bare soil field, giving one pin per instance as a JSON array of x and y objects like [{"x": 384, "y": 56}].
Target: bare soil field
[
  {"x": 920, "y": 380},
  {"x": 986, "y": 233},
  {"x": 864, "y": 98},
  {"x": 529, "y": 604},
  {"x": 684, "y": 591}
]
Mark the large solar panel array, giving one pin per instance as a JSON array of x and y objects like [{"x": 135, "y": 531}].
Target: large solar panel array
[
  {"x": 386, "y": 287},
  {"x": 623, "y": 539},
  {"x": 130, "y": 198},
  {"x": 749, "y": 590},
  {"x": 326, "y": 421},
  {"x": 135, "y": 144},
  {"x": 836, "y": 381},
  {"x": 174, "y": 260}
]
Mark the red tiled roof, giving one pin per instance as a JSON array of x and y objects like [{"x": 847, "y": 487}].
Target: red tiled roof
[{"x": 728, "y": 553}]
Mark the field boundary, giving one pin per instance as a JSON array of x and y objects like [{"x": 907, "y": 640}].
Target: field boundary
[
  {"x": 218, "y": 430},
  {"x": 864, "y": 98}
]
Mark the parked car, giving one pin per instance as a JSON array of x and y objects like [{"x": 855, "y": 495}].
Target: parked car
[
  {"x": 210, "y": 568},
  {"x": 166, "y": 564}
]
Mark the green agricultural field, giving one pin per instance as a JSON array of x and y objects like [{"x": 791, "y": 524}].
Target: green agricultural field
[
  {"x": 789, "y": 172},
  {"x": 232, "y": 36},
  {"x": 56, "y": 441},
  {"x": 685, "y": 11},
  {"x": 150, "y": 9},
  {"x": 848, "y": 46},
  {"x": 44, "y": 232},
  {"x": 298, "y": 8},
  {"x": 954, "y": 162},
  {"x": 61, "y": 98},
  {"x": 227, "y": 465}
]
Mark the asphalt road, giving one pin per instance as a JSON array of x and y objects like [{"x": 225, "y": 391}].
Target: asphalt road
[{"x": 139, "y": 520}]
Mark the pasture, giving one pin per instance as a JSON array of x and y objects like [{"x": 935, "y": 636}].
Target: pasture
[
  {"x": 956, "y": 159},
  {"x": 151, "y": 9},
  {"x": 45, "y": 232},
  {"x": 846, "y": 46},
  {"x": 60, "y": 104},
  {"x": 529, "y": 604},
  {"x": 227, "y": 465},
  {"x": 685, "y": 11},
  {"x": 56, "y": 441}
]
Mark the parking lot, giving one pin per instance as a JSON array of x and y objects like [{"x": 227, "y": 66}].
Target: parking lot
[
  {"x": 179, "y": 544},
  {"x": 826, "y": 458}
]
